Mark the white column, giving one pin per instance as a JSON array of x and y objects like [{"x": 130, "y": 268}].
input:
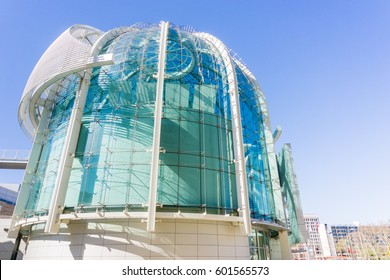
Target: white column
[
  {"x": 31, "y": 167},
  {"x": 154, "y": 168},
  {"x": 240, "y": 158},
  {"x": 284, "y": 245},
  {"x": 72, "y": 136},
  {"x": 67, "y": 155},
  {"x": 238, "y": 145}
]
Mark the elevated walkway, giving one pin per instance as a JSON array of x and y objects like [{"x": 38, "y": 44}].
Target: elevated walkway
[{"x": 14, "y": 159}]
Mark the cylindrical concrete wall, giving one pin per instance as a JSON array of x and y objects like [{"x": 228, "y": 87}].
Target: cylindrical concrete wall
[{"x": 129, "y": 239}]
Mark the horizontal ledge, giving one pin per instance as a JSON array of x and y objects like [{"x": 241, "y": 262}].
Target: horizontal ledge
[
  {"x": 268, "y": 225},
  {"x": 130, "y": 215},
  {"x": 15, "y": 164},
  {"x": 143, "y": 215}
]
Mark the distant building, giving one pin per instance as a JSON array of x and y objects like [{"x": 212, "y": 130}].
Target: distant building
[
  {"x": 327, "y": 242},
  {"x": 319, "y": 244},
  {"x": 345, "y": 244},
  {"x": 300, "y": 251},
  {"x": 341, "y": 232},
  {"x": 314, "y": 243},
  {"x": 8, "y": 196}
]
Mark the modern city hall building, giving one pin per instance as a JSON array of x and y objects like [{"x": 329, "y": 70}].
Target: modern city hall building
[{"x": 151, "y": 142}]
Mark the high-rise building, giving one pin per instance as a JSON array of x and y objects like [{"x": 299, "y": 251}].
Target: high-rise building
[
  {"x": 319, "y": 245},
  {"x": 340, "y": 232},
  {"x": 314, "y": 243},
  {"x": 150, "y": 142},
  {"x": 327, "y": 242}
]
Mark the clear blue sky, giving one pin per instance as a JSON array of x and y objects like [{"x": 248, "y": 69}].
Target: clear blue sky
[{"x": 324, "y": 67}]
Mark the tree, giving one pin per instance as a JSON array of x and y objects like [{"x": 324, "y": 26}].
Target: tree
[{"x": 367, "y": 243}]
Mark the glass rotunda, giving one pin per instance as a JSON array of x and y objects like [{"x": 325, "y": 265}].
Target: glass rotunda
[{"x": 146, "y": 126}]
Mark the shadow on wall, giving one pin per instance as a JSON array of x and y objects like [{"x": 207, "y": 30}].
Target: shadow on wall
[
  {"x": 113, "y": 241},
  {"x": 6, "y": 251}
]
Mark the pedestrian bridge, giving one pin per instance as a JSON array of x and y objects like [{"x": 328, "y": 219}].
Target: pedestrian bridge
[{"x": 14, "y": 159}]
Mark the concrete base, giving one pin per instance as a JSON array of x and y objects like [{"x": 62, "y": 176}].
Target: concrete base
[
  {"x": 275, "y": 251},
  {"x": 280, "y": 248},
  {"x": 128, "y": 239}
]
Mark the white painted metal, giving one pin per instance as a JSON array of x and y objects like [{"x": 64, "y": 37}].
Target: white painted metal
[
  {"x": 67, "y": 155},
  {"x": 100, "y": 60},
  {"x": 27, "y": 108},
  {"x": 53, "y": 66},
  {"x": 242, "y": 186},
  {"x": 30, "y": 168},
  {"x": 68, "y": 51},
  {"x": 269, "y": 141},
  {"x": 56, "y": 64},
  {"x": 154, "y": 168},
  {"x": 55, "y": 61},
  {"x": 70, "y": 143}
]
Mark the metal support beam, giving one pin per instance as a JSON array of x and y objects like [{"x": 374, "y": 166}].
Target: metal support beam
[
  {"x": 71, "y": 139},
  {"x": 157, "y": 127},
  {"x": 238, "y": 145},
  {"x": 239, "y": 152},
  {"x": 31, "y": 166},
  {"x": 28, "y": 103},
  {"x": 67, "y": 155},
  {"x": 13, "y": 164}
]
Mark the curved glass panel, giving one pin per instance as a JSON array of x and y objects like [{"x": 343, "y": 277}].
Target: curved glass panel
[
  {"x": 43, "y": 181},
  {"x": 112, "y": 163},
  {"x": 258, "y": 177},
  {"x": 197, "y": 168}
]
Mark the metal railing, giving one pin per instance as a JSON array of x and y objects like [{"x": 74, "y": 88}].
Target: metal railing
[{"x": 14, "y": 155}]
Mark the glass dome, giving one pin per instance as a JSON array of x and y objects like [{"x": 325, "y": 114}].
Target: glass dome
[{"x": 197, "y": 166}]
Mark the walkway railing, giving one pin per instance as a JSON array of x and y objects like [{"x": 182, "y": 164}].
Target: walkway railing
[
  {"x": 14, "y": 159},
  {"x": 14, "y": 155}
]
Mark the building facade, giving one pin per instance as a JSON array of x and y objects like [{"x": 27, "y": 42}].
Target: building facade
[
  {"x": 312, "y": 247},
  {"x": 341, "y": 232},
  {"x": 150, "y": 142},
  {"x": 327, "y": 242},
  {"x": 8, "y": 196},
  {"x": 346, "y": 241}
]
